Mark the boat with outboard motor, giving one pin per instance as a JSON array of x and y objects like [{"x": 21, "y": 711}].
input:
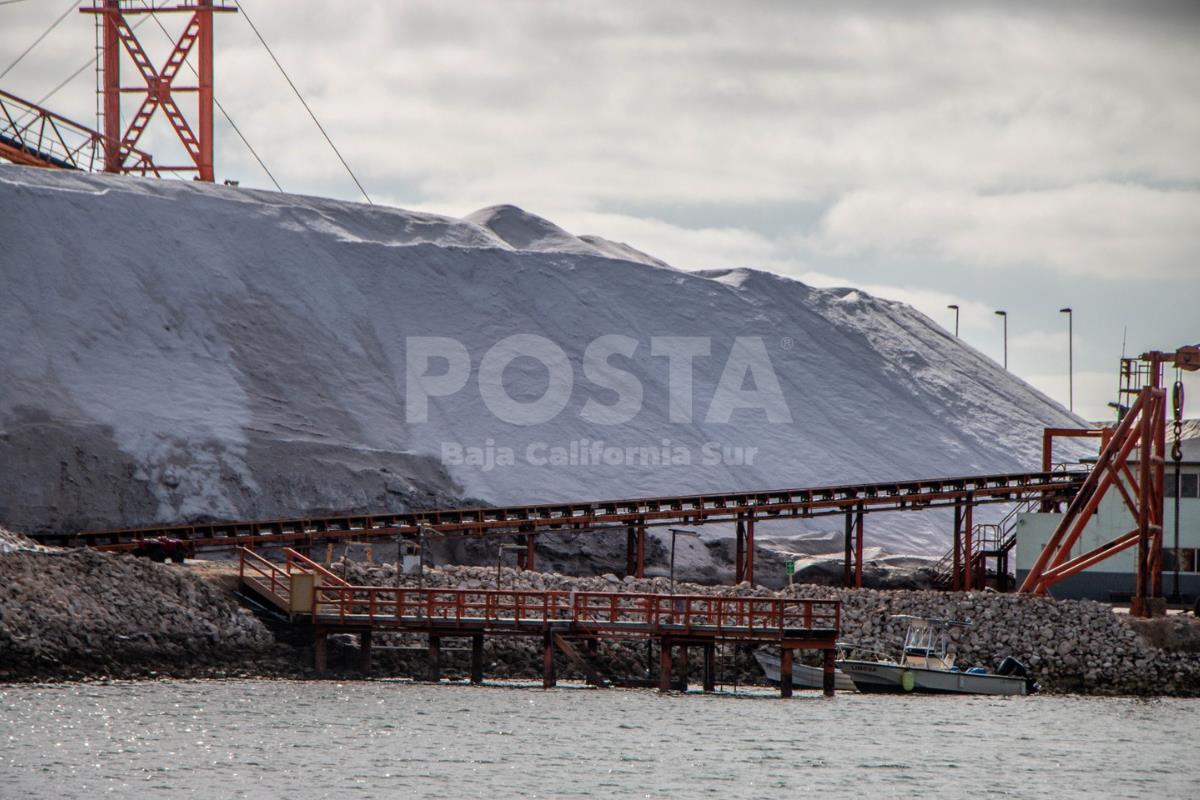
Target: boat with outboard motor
[{"x": 926, "y": 665}]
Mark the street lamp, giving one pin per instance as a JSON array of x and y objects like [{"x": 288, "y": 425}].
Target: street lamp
[
  {"x": 955, "y": 307},
  {"x": 1070, "y": 356},
  {"x": 678, "y": 532},
  {"x": 1004, "y": 314}
]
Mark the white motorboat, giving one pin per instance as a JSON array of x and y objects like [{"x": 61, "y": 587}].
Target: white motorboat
[
  {"x": 926, "y": 665},
  {"x": 803, "y": 676}
]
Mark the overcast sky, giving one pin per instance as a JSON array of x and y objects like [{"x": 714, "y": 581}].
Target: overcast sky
[{"x": 995, "y": 155}]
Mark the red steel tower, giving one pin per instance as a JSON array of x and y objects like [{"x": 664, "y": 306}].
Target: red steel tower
[{"x": 160, "y": 88}]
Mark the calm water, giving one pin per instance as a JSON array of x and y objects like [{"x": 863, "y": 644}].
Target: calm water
[{"x": 351, "y": 740}]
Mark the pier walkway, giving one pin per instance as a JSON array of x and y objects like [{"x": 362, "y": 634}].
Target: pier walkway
[{"x": 312, "y": 595}]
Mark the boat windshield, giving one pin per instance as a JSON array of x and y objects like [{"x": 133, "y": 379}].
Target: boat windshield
[{"x": 926, "y": 644}]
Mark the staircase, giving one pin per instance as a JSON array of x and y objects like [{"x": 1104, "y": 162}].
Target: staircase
[{"x": 988, "y": 540}]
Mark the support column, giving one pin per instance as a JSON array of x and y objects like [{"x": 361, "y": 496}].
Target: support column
[
  {"x": 1157, "y": 483},
  {"x": 681, "y": 667},
  {"x": 530, "y": 555},
  {"x": 969, "y": 550},
  {"x": 749, "y": 576},
  {"x": 641, "y": 549},
  {"x": 664, "y": 665},
  {"x": 848, "y": 556},
  {"x": 630, "y": 551},
  {"x": 549, "y": 679},
  {"x": 477, "y": 659},
  {"x": 112, "y": 89},
  {"x": 205, "y": 75},
  {"x": 320, "y": 651},
  {"x": 956, "y": 582},
  {"x": 858, "y": 550},
  {"x": 364, "y": 652},
  {"x": 828, "y": 680},
  {"x": 785, "y": 672},
  {"x": 635, "y": 550},
  {"x": 710, "y": 666},
  {"x": 739, "y": 557},
  {"x": 435, "y": 658},
  {"x": 1139, "y": 607}
]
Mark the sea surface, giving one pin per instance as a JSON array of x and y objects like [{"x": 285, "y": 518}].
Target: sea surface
[{"x": 297, "y": 740}]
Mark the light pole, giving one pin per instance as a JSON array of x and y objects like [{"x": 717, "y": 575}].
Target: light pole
[
  {"x": 1004, "y": 314},
  {"x": 678, "y": 532},
  {"x": 1070, "y": 356},
  {"x": 955, "y": 307}
]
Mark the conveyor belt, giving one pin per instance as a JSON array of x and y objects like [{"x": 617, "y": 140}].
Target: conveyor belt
[{"x": 579, "y": 517}]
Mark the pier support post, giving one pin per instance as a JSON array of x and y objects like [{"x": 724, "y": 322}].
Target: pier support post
[
  {"x": 785, "y": 672},
  {"x": 320, "y": 651},
  {"x": 477, "y": 659},
  {"x": 435, "y": 658},
  {"x": 364, "y": 652},
  {"x": 710, "y": 667},
  {"x": 549, "y": 679},
  {"x": 827, "y": 677},
  {"x": 664, "y": 665},
  {"x": 681, "y": 667}
]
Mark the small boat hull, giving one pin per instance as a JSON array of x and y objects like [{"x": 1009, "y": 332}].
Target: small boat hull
[
  {"x": 873, "y": 676},
  {"x": 803, "y": 676}
]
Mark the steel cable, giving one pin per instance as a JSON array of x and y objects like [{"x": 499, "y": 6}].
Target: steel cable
[
  {"x": 38, "y": 40},
  {"x": 321, "y": 128}
]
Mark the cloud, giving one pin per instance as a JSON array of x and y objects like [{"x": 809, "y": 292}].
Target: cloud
[
  {"x": 976, "y": 153},
  {"x": 1100, "y": 230},
  {"x": 684, "y": 247}
]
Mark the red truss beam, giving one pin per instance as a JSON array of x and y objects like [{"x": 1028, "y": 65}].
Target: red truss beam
[
  {"x": 1142, "y": 428},
  {"x": 197, "y": 35}
]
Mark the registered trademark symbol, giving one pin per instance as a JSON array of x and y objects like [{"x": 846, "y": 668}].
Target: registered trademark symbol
[{"x": 787, "y": 343}]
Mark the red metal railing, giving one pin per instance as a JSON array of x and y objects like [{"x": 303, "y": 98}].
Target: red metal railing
[
  {"x": 334, "y": 599},
  {"x": 593, "y": 611},
  {"x": 267, "y": 575},
  {"x": 296, "y": 562}
]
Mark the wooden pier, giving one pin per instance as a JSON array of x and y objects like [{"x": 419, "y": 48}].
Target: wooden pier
[{"x": 312, "y": 595}]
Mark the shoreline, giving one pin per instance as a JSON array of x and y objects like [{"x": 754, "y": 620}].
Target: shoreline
[{"x": 83, "y": 616}]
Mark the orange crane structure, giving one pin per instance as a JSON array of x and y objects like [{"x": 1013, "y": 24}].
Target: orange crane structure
[
  {"x": 35, "y": 136},
  {"x": 1139, "y": 439},
  {"x": 160, "y": 88}
]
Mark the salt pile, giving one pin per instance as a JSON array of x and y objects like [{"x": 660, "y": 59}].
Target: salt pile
[{"x": 175, "y": 351}]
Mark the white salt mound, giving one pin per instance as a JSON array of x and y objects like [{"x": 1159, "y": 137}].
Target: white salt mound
[{"x": 175, "y": 351}]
